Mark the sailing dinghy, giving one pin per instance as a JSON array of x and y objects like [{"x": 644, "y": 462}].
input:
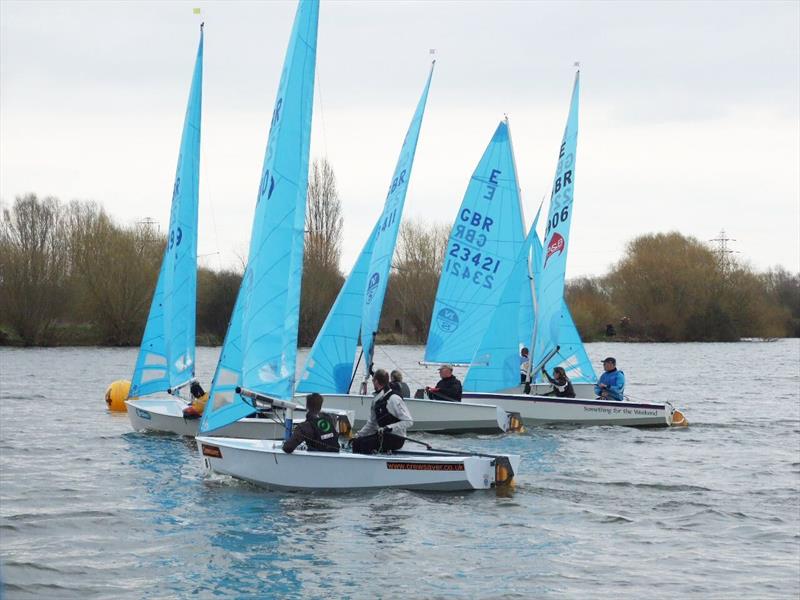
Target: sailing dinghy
[
  {"x": 257, "y": 364},
  {"x": 331, "y": 365},
  {"x": 166, "y": 360},
  {"x": 555, "y": 340}
]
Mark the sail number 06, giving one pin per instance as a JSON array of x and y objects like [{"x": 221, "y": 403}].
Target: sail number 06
[{"x": 558, "y": 217}]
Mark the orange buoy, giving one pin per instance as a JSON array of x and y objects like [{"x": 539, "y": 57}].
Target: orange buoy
[
  {"x": 116, "y": 394},
  {"x": 678, "y": 420}
]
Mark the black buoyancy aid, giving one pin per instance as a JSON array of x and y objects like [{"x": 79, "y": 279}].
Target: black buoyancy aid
[
  {"x": 382, "y": 415},
  {"x": 325, "y": 437}
]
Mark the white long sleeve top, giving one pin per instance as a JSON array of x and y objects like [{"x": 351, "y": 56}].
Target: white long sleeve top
[{"x": 397, "y": 407}]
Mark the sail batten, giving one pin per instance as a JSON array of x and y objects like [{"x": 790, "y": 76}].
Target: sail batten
[
  {"x": 169, "y": 335},
  {"x": 260, "y": 348}
]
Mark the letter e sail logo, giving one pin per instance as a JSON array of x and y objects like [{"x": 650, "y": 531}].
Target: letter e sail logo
[
  {"x": 556, "y": 245},
  {"x": 447, "y": 319},
  {"x": 372, "y": 286}
]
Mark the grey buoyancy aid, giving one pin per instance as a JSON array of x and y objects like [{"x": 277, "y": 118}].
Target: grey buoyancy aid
[
  {"x": 325, "y": 437},
  {"x": 382, "y": 415}
]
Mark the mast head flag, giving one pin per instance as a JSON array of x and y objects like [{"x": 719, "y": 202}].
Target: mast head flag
[
  {"x": 260, "y": 349},
  {"x": 386, "y": 232},
  {"x": 167, "y": 352},
  {"x": 550, "y": 284}
]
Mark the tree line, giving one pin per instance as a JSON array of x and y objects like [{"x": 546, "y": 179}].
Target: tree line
[{"x": 71, "y": 275}]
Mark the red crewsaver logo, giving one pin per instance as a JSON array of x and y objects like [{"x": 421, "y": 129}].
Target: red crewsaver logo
[{"x": 556, "y": 246}]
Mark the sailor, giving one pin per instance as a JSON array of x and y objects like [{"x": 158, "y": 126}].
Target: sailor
[
  {"x": 198, "y": 405},
  {"x": 523, "y": 365},
  {"x": 448, "y": 388},
  {"x": 398, "y": 385},
  {"x": 388, "y": 420},
  {"x": 611, "y": 384},
  {"x": 318, "y": 431},
  {"x": 562, "y": 386}
]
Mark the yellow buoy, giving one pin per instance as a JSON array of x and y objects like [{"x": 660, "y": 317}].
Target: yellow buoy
[
  {"x": 678, "y": 420},
  {"x": 515, "y": 423},
  {"x": 116, "y": 394}
]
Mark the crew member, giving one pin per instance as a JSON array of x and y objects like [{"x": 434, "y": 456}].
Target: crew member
[
  {"x": 523, "y": 365},
  {"x": 318, "y": 431},
  {"x": 448, "y": 388},
  {"x": 388, "y": 420},
  {"x": 562, "y": 386},
  {"x": 398, "y": 385},
  {"x": 611, "y": 384},
  {"x": 198, "y": 405}
]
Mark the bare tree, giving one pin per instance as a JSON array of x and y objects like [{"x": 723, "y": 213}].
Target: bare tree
[
  {"x": 116, "y": 270},
  {"x": 33, "y": 267},
  {"x": 321, "y": 276},
  {"x": 413, "y": 284},
  {"x": 323, "y": 217}
]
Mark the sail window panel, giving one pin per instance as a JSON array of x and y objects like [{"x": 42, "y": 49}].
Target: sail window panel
[
  {"x": 155, "y": 360},
  {"x": 221, "y": 399},
  {"x": 149, "y": 375},
  {"x": 228, "y": 377}
]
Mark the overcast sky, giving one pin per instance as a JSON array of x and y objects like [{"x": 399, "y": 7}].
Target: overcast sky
[{"x": 689, "y": 120}]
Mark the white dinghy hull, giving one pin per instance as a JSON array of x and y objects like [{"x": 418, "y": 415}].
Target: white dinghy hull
[
  {"x": 429, "y": 415},
  {"x": 582, "y": 390},
  {"x": 549, "y": 410},
  {"x": 165, "y": 415},
  {"x": 264, "y": 463}
]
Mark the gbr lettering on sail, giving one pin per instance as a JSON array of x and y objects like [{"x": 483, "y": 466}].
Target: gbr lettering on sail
[{"x": 560, "y": 205}]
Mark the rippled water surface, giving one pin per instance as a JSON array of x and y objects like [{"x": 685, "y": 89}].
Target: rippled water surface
[{"x": 90, "y": 509}]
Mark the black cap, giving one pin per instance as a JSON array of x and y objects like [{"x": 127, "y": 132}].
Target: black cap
[{"x": 610, "y": 359}]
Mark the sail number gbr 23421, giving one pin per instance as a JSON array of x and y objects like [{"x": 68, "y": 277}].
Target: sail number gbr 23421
[{"x": 466, "y": 258}]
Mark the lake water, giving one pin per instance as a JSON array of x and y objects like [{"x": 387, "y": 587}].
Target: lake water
[{"x": 90, "y": 509}]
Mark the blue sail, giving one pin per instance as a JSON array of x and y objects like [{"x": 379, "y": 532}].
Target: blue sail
[
  {"x": 386, "y": 232},
  {"x": 260, "y": 348},
  {"x": 572, "y": 354},
  {"x": 480, "y": 256},
  {"x": 550, "y": 281},
  {"x": 166, "y": 355},
  {"x": 329, "y": 366},
  {"x": 495, "y": 365},
  {"x": 527, "y": 306}
]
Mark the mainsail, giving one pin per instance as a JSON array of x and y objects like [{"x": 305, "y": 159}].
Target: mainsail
[
  {"x": 386, "y": 233},
  {"x": 550, "y": 280},
  {"x": 484, "y": 243},
  {"x": 329, "y": 366},
  {"x": 166, "y": 355},
  {"x": 260, "y": 348}
]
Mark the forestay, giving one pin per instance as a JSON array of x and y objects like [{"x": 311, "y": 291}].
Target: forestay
[
  {"x": 484, "y": 243},
  {"x": 329, "y": 366},
  {"x": 167, "y": 352},
  {"x": 550, "y": 283},
  {"x": 386, "y": 233},
  {"x": 260, "y": 348}
]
